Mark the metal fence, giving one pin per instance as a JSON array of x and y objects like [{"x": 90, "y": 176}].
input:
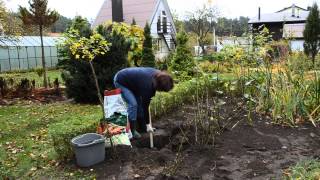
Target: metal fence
[{"x": 22, "y": 53}]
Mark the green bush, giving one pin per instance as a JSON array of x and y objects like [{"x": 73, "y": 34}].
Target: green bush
[
  {"x": 148, "y": 58},
  {"x": 62, "y": 132},
  {"x": 208, "y": 67},
  {"x": 77, "y": 74},
  {"x": 298, "y": 62},
  {"x": 183, "y": 65},
  {"x": 187, "y": 91}
]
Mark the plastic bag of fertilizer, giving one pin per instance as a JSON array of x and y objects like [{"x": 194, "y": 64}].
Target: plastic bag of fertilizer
[{"x": 116, "y": 117}]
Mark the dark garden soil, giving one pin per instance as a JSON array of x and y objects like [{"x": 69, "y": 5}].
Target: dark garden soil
[
  {"x": 39, "y": 95},
  {"x": 241, "y": 151}
]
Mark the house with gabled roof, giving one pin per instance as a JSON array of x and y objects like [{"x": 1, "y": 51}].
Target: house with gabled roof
[
  {"x": 155, "y": 12},
  {"x": 288, "y": 22}
]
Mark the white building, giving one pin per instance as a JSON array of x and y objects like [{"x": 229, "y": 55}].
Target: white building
[{"x": 155, "y": 12}]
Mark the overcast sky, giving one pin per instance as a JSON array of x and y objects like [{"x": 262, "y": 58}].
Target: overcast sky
[{"x": 227, "y": 8}]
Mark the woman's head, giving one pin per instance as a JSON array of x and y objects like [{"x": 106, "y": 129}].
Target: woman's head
[{"x": 163, "y": 81}]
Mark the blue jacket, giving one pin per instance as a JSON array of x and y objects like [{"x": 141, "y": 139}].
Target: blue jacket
[{"x": 139, "y": 80}]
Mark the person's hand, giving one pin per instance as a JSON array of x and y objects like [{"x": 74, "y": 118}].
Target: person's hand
[{"x": 150, "y": 128}]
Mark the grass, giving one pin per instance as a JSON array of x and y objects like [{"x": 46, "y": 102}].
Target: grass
[
  {"x": 52, "y": 75},
  {"x": 309, "y": 169},
  {"x": 25, "y": 147}
]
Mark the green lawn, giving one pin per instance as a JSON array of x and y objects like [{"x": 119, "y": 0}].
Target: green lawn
[
  {"x": 304, "y": 170},
  {"x": 25, "y": 148},
  {"x": 52, "y": 75}
]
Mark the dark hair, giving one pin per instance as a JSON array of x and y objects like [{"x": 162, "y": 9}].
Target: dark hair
[{"x": 163, "y": 81}]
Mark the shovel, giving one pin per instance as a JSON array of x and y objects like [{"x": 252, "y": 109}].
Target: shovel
[{"x": 151, "y": 132}]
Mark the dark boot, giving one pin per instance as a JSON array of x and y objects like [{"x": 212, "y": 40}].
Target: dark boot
[
  {"x": 134, "y": 131},
  {"x": 142, "y": 128}
]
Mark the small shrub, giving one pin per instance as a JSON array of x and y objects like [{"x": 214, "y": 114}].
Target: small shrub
[
  {"x": 183, "y": 65},
  {"x": 299, "y": 62},
  {"x": 24, "y": 86},
  {"x": 280, "y": 50},
  {"x": 148, "y": 58},
  {"x": 62, "y": 132},
  {"x": 39, "y": 71},
  {"x": 3, "y": 86},
  {"x": 208, "y": 67},
  {"x": 77, "y": 74}
]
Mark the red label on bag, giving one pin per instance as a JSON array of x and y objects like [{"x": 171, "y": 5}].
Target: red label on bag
[{"x": 112, "y": 92}]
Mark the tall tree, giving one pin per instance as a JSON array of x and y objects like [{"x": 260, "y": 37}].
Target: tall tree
[
  {"x": 201, "y": 23},
  {"x": 61, "y": 25},
  {"x": 39, "y": 15},
  {"x": 82, "y": 25},
  {"x": 133, "y": 22},
  {"x": 3, "y": 16},
  {"x": 148, "y": 59},
  {"x": 311, "y": 33},
  {"x": 182, "y": 64},
  {"x": 10, "y": 24}
]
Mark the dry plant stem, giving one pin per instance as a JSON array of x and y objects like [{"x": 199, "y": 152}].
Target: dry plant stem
[
  {"x": 97, "y": 87},
  {"x": 101, "y": 102},
  {"x": 172, "y": 169}
]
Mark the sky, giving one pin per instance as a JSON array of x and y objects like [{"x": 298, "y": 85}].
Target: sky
[{"x": 227, "y": 8}]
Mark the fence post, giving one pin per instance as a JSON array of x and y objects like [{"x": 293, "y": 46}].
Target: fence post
[
  {"x": 27, "y": 57},
  {"x": 9, "y": 58},
  {"x": 50, "y": 55},
  {"x": 35, "y": 56},
  {"x": 18, "y": 57}
]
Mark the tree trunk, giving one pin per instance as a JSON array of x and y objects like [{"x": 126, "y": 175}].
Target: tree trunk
[
  {"x": 203, "y": 49},
  {"x": 313, "y": 59},
  {"x": 45, "y": 79},
  {"x": 98, "y": 88}
]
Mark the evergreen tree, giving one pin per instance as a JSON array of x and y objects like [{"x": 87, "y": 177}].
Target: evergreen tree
[
  {"x": 182, "y": 64},
  {"x": 82, "y": 25},
  {"x": 80, "y": 84},
  {"x": 148, "y": 59},
  {"x": 40, "y": 16},
  {"x": 61, "y": 25},
  {"x": 311, "y": 33},
  {"x": 134, "y": 22}
]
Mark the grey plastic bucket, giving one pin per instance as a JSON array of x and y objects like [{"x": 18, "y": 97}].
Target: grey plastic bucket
[{"x": 89, "y": 149}]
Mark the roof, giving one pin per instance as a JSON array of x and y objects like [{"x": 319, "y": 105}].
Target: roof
[
  {"x": 293, "y": 30},
  {"x": 298, "y": 7},
  {"x": 280, "y": 16},
  {"x": 28, "y": 41},
  {"x": 140, "y": 10}
]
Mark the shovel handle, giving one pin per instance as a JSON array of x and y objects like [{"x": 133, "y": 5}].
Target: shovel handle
[{"x": 151, "y": 133}]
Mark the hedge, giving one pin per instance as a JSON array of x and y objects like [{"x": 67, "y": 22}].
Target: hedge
[
  {"x": 164, "y": 103},
  {"x": 62, "y": 132}
]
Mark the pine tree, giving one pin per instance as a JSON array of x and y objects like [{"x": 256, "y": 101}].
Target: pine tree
[
  {"x": 148, "y": 59},
  {"x": 182, "y": 64},
  {"x": 134, "y": 22},
  {"x": 39, "y": 15},
  {"x": 311, "y": 33}
]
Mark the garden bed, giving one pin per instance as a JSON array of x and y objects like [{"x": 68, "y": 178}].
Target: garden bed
[
  {"x": 39, "y": 95},
  {"x": 253, "y": 149}
]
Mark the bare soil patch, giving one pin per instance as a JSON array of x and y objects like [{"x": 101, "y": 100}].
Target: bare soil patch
[{"x": 259, "y": 150}]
